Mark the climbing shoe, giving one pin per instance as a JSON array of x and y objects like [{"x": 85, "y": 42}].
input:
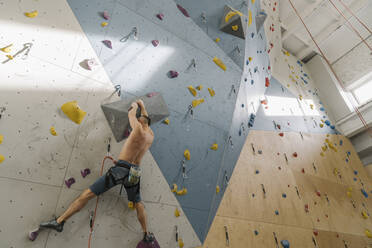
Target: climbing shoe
[
  {"x": 53, "y": 224},
  {"x": 148, "y": 237}
]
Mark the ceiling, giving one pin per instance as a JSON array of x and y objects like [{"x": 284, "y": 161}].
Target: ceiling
[{"x": 327, "y": 26}]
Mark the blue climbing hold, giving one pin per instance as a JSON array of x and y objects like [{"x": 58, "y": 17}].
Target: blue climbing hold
[
  {"x": 333, "y": 127},
  {"x": 252, "y": 35},
  {"x": 327, "y": 122},
  {"x": 245, "y": 79},
  {"x": 364, "y": 193},
  {"x": 285, "y": 243},
  {"x": 252, "y": 82},
  {"x": 276, "y": 212},
  {"x": 242, "y": 105},
  {"x": 349, "y": 153},
  {"x": 255, "y": 232},
  {"x": 341, "y": 142},
  {"x": 355, "y": 172},
  {"x": 257, "y": 171},
  {"x": 355, "y": 179},
  {"x": 247, "y": 62},
  {"x": 320, "y": 102},
  {"x": 284, "y": 195},
  {"x": 322, "y": 109}
]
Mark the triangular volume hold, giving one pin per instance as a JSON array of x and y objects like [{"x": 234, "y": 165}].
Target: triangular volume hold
[{"x": 232, "y": 22}]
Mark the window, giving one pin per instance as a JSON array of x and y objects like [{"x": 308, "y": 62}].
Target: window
[{"x": 362, "y": 89}]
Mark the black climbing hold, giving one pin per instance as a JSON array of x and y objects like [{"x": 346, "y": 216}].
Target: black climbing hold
[
  {"x": 276, "y": 212},
  {"x": 285, "y": 243},
  {"x": 255, "y": 232},
  {"x": 257, "y": 171}
]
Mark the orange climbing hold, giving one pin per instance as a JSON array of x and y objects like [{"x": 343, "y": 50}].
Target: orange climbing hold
[{"x": 267, "y": 82}]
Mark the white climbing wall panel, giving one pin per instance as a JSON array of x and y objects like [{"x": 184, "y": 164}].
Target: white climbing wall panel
[{"x": 36, "y": 163}]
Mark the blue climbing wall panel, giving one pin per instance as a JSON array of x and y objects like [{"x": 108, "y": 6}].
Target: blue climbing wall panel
[{"x": 140, "y": 68}]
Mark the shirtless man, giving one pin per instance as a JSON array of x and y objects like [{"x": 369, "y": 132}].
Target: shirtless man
[{"x": 137, "y": 144}]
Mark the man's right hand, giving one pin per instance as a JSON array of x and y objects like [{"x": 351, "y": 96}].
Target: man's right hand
[{"x": 134, "y": 105}]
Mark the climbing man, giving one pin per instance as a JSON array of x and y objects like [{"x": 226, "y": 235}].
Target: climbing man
[{"x": 125, "y": 172}]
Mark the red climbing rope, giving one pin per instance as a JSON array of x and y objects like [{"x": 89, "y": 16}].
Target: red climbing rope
[
  {"x": 367, "y": 128},
  {"x": 95, "y": 210},
  {"x": 352, "y": 27},
  {"x": 356, "y": 17}
]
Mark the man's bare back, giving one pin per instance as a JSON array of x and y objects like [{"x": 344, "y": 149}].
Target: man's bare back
[{"x": 140, "y": 139}]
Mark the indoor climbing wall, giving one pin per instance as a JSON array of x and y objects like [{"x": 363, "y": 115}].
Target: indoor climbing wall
[
  {"x": 302, "y": 191},
  {"x": 143, "y": 49}
]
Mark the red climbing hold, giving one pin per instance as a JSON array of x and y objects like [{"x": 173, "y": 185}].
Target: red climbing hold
[
  {"x": 269, "y": 67},
  {"x": 281, "y": 134},
  {"x": 183, "y": 10},
  {"x": 152, "y": 94},
  {"x": 306, "y": 208},
  {"x": 303, "y": 170},
  {"x": 173, "y": 74},
  {"x": 264, "y": 102},
  {"x": 316, "y": 232},
  {"x": 155, "y": 43},
  {"x": 278, "y": 126},
  {"x": 326, "y": 215},
  {"x": 318, "y": 193},
  {"x": 160, "y": 16},
  {"x": 267, "y": 82},
  {"x": 318, "y": 220},
  {"x": 295, "y": 154}
]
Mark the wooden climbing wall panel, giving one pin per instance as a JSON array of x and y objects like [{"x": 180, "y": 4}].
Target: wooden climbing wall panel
[{"x": 306, "y": 199}]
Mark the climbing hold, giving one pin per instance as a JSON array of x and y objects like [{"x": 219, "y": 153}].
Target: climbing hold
[
  {"x": 252, "y": 82},
  {"x": 249, "y": 18},
  {"x": 186, "y": 154},
  {"x": 211, "y": 92},
  {"x": 253, "y": 195},
  {"x": 53, "y": 131},
  {"x": 2, "y": 158},
  {"x": 104, "y": 24},
  {"x": 106, "y": 15},
  {"x": 255, "y": 232},
  {"x": 152, "y": 94},
  {"x": 199, "y": 88},
  {"x": 318, "y": 193},
  {"x": 321, "y": 125},
  {"x": 303, "y": 170},
  {"x": 174, "y": 188},
  {"x": 341, "y": 142},
  {"x": 85, "y": 172},
  {"x": 316, "y": 232},
  {"x": 257, "y": 171},
  {"x": 180, "y": 243},
  {"x": 355, "y": 171},
  {"x": 300, "y": 97},
  {"x": 173, "y": 74},
  {"x": 131, "y": 205},
  {"x": 73, "y": 111},
  {"x": 231, "y": 14},
  {"x": 214, "y": 147},
  {"x": 324, "y": 148},
  {"x": 7, "y": 49},
  {"x": 285, "y": 243},
  {"x": 368, "y": 233},
  {"x": 183, "y": 191},
  {"x": 364, "y": 193},
  {"x": 276, "y": 212},
  {"x": 183, "y": 10},
  {"x": 306, "y": 208},
  {"x": 284, "y": 195},
  {"x": 322, "y": 154},
  {"x": 1, "y": 138},
  {"x": 217, "y": 40},
  {"x": 91, "y": 63},
  {"x": 32, "y": 14},
  {"x": 166, "y": 121},
  {"x": 219, "y": 63},
  {"x": 176, "y": 212},
  {"x": 192, "y": 90},
  {"x": 264, "y": 102},
  {"x": 235, "y": 27},
  {"x": 295, "y": 154},
  {"x": 69, "y": 182},
  {"x": 9, "y": 56},
  {"x": 108, "y": 43},
  {"x": 197, "y": 102},
  {"x": 327, "y": 122},
  {"x": 155, "y": 43},
  {"x": 160, "y": 16},
  {"x": 267, "y": 82},
  {"x": 217, "y": 189},
  {"x": 364, "y": 215},
  {"x": 259, "y": 151},
  {"x": 281, "y": 134}
]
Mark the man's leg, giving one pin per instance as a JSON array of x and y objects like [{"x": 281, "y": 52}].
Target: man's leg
[
  {"x": 141, "y": 215},
  {"x": 77, "y": 205}
]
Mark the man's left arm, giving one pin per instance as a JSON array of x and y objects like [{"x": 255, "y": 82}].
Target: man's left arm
[{"x": 142, "y": 107}]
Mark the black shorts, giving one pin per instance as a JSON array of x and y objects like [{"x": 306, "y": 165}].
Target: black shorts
[{"x": 100, "y": 186}]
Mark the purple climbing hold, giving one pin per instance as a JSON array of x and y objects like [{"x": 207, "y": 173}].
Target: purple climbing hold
[
  {"x": 152, "y": 94},
  {"x": 69, "y": 182},
  {"x": 106, "y": 15},
  {"x": 108, "y": 43},
  {"x": 32, "y": 235},
  {"x": 85, "y": 172},
  {"x": 173, "y": 74},
  {"x": 347, "y": 160},
  {"x": 160, "y": 16},
  {"x": 183, "y": 10},
  {"x": 155, "y": 43}
]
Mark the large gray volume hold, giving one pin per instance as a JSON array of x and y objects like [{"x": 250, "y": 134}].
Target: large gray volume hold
[{"x": 116, "y": 113}]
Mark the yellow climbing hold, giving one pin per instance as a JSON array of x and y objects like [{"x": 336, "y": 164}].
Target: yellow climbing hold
[
  {"x": 250, "y": 59},
  {"x": 249, "y": 18},
  {"x": 214, "y": 147},
  {"x": 2, "y": 158},
  {"x": 235, "y": 27},
  {"x": 286, "y": 53},
  {"x": 32, "y": 14},
  {"x": 73, "y": 111},
  {"x": 322, "y": 154},
  {"x": 1, "y": 138},
  {"x": 349, "y": 194},
  {"x": 321, "y": 125},
  {"x": 364, "y": 215},
  {"x": 166, "y": 121},
  {"x": 288, "y": 85},
  {"x": 219, "y": 63},
  {"x": 9, "y": 56},
  {"x": 300, "y": 96},
  {"x": 174, "y": 188},
  {"x": 197, "y": 102},
  {"x": 217, "y": 189},
  {"x": 130, "y": 205},
  {"x": 104, "y": 24},
  {"x": 7, "y": 49},
  {"x": 186, "y": 154},
  {"x": 335, "y": 171},
  {"x": 192, "y": 90},
  {"x": 180, "y": 243},
  {"x": 182, "y": 192},
  {"x": 217, "y": 40},
  {"x": 211, "y": 92},
  {"x": 176, "y": 213},
  {"x": 53, "y": 131},
  {"x": 311, "y": 106},
  {"x": 368, "y": 233},
  {"x": 200, "y": 87},
  {"x": 324, "y": 148},
  {"x": 253, "y": 1},
  {"x": 231, "y": 14}
]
